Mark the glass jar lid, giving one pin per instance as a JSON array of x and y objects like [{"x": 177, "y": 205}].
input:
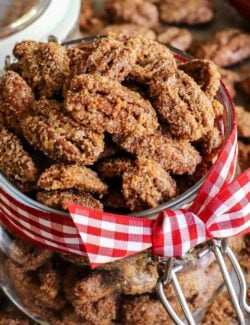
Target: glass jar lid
[{"x": 15, "y": 15}]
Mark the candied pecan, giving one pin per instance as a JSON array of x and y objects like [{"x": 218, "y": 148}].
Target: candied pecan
[
  {"x": 147, "y": 185},
  {"x": 62, "y": 177},
  {"x": 61, "y": 199},
  {"x": 130, "y": 30},
  {"x": 110, "y": 58},
  {"x": 181, "y": 104},
  {"x": 245, "y": 85},
  {"x": 244, "y": 155},
  {"x": 50, "y": 280},
  {"x": 78, "y": 58},
  {"x": 180, "y": 38},
  {"x": 110, "y": 148},
  {"x": 13, "y": 316},
  {"x": 115, "y": 200},
  {"x": 205, "y": 73},
  {"x": 220, "y": 312},
  {"x": 190, "y": 12},
  {"x": 218, "y": 108},
  {"x": 15, "y": 163},
  {"x": 227, "y": 47},
  {"x": 153, "y": 59},
  {"x": 106, "y": 105},
  {"x": 113, "y": 167},
  {"x": 15, "y": 98},
  {"x": 50, "y": 130},
  {"x": 30, "y": 257},
  {"x": 74, "y": 259},
  {"x": 211, "y": 141},
  {"x": 44, "y": 66},
  {"x": 102, "y": 311},
  {"x": 229, "y": 78},
  {"x": 90, "y": 22},
  {"x": 134, "y": 275},
  {"x": 34, "y": 292},
  {"x": 177, "y": 156},
  {"x": 90, "y": 289},
  {"x": 139, "y": 12},
  {"x": 144, "y": 310},
  {"x": 243, "y": 117}
]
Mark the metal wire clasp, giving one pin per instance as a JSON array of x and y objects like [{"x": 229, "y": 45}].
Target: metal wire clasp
[
  {"x": 221, "y": 249},
  {"x": 168, "y": 269}
]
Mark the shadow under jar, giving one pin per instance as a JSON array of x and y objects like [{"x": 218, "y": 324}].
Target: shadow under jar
[{"x": 57, "y": 288}]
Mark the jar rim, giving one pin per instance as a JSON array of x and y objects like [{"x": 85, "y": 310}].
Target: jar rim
[
  {"x": 26, "y": 19},
  {"x": 177, "y": 202}
]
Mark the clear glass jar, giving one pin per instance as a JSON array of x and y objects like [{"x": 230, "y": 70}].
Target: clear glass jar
[{"x": 61, "y": 289}]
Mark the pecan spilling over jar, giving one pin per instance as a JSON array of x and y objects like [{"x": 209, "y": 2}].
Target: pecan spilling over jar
[{"x": 121, "y": 105}]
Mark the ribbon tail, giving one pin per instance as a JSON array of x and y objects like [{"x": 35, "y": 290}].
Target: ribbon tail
[
  {"x": 228, "y": 214},
  {"x": 109, "y": 237}
]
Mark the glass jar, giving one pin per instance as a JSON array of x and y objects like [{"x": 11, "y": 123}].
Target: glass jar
[
  {"x": 36, "y": 20},
  {"x": 61, "y": 288}
]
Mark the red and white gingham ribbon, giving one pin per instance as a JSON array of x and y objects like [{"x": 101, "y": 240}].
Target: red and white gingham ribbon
[{"x": 221, "y": 209}]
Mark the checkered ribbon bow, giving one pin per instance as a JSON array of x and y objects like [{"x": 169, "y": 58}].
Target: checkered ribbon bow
[{"x": 221, "y": 209}]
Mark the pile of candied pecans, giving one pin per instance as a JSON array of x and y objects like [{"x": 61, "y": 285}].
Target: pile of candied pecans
[{"x": 115, "y": 124}]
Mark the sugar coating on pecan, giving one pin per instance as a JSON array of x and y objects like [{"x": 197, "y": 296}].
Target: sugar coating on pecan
[
  {"x": 28, "y": 256},
  {"x": 38, "y": 291},
  {"x": 245, "y": 85},
  {"x": 153, "y": 59},
  {"x": 134, "y": 275},
  {"x": 15, "y": 163},
  {"x": 115, "y": 200},
  {"x": 61, "y": 199},
  {"x": 144, "y": 310},
  {"x": 243, "y": 117},
  {"x": 218, "y": 108},
  {"x": 180, "y": 38},
  {"x": 75, "y": 259},
  {"x": 130, "y": 30},
  {"x": 15, "y": 98},
  {"x": 114, "y": 167},
  {"x": 147, "y": 185},
  {"x": 105, "y": 105},
  {"x": 110, "y": 58},
  {"x": 62, "y": 177},
  {"x": 52, "y": 131},
  {"x": 205, "y": 73},
  {"x": 211, "y": 141},
  {"x": 137, "y": 12},
  {"x": 227, "y": 47},
  {"x": 44, "y": 66},
  {"x": 102, "y": 311},
  {"x": 78, "y": 57},
  {"x": 181, "y": 104},
  {"x": 176, "y": 156},
  {"x": 190, "y": 12}
]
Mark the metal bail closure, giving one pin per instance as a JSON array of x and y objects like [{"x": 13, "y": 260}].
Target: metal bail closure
[
  {"x": 221, "y": 249},
  {"x": 168, "y": 276}
]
